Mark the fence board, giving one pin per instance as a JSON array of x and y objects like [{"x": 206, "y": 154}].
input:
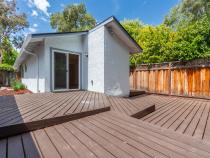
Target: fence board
[{"x": 188, "y": 79}]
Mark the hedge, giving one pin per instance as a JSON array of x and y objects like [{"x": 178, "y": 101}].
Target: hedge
[{"x": 6, "y": 67}]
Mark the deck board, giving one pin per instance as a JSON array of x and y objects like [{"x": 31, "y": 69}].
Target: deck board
[
  {"x": 34, "y": 111},
  {"x": 188, "y": 116},
  {"x": 106, "y": 135},
  {"x": 132, "y": 106}
]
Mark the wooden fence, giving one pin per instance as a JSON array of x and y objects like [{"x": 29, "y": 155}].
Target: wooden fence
[{"x": 175, "y": 78}]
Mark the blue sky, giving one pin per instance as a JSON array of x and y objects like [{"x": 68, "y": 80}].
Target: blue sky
[{"x": 148, "y": 11}]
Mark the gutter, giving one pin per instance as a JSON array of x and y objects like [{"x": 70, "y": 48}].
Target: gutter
[{"x": 37, "y": 58}]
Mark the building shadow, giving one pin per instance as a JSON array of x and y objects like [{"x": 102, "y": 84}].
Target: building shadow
[{"x": 15, "y": 139}]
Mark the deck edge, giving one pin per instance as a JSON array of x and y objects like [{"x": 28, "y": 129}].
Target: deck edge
[{"x": 12, "y": 130}]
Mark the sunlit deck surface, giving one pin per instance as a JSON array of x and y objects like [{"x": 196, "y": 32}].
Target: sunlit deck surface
[
  {"x": 28, "y": 112},
  {"x": 179, "y": 127},
  {"x": 187, "y": 116},
  {"x": 104, "y": 135}
]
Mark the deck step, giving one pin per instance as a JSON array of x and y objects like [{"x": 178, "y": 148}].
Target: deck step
[
  {"x": 134, "y": 93},
  {"x": 145, "y": 111},
  {"x": 15, "y": 129}
]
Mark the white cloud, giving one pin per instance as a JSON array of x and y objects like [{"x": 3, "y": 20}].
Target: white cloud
[
  {"x": 35, "y": 25},
  {"x": 44, "y": 19},
  {"x": 42, "y": 5},
  {"x": 62, "y": 5},
  {"x": 30, "y": 3},
  {"x": 34, "y": 13},
  {"x": 32, "y": 30}
]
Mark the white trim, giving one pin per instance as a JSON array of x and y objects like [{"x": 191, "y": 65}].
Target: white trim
[
  {"x": 67, "y": 68},
  {"x": 102, "y": 24}
]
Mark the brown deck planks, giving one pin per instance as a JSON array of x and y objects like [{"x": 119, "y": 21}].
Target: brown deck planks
[
  {"x": 188, "y": 116},
  {"x": 105, "y": 135},
  {"x": 34, "y": 111},
  {"x": 108, "y": 134}
]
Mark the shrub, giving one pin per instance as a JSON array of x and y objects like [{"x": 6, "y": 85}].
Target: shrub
[
  {"x": 6, "y": 67},
  {"x": 17, "y": 85}
]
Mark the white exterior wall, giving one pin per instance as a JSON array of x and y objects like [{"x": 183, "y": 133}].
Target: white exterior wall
[
  {"x": 65, "y": 43},
  {"x": 116, "y": 67},
  {"x": 30, "y": 76},
  {"x": 96, "y": 60},
  {"x": 105, "y": 70}
]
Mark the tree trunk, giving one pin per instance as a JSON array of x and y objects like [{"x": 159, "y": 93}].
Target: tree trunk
[{"x": 1, "y": 57}]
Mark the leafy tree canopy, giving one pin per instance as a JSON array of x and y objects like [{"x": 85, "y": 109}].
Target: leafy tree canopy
[
  {"x": 11, "y": 21},
  {"x": 9, "y": 54},
  {"x": 163, "y": 44},
  {"x": 193, "y": 41},
  {"x": 187, "y": 11},
  {"x": 184, "y": 35},
  {"x": 73, "y": 18}
]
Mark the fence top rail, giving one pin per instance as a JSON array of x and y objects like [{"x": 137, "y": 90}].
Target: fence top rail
[{"x": 199, "y": 63}]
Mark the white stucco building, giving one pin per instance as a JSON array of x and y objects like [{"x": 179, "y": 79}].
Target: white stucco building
[{"x": 94, "y": 60}]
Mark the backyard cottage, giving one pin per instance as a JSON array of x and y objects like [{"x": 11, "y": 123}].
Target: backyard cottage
[{"x": 94, "y": 60}]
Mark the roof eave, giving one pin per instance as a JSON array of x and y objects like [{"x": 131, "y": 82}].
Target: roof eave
[
  {"x": 25, "y": 43},
  {"x": 138, "y": 48}
]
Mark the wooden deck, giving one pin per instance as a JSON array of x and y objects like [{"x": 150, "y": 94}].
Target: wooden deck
[
  {"x": 187, "y": 116},
  {"x": 179, "y": 127},
  {"x": 23, "y": 113},
  {"x": 132, "y": 106},
  {"x": 105, "y": 135},
  {"x": 33, "y": 111}
]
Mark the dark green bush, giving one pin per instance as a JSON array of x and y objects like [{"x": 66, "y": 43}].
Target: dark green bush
[{"x": 17, "y": 85}]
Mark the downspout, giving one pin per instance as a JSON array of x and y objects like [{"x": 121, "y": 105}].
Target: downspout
[{"x": 37, "y": 58}]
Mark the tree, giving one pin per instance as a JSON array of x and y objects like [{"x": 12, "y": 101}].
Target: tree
[
  {"x": 184, "y": 35},
  {"x": 9, "y": 54},
  {"x": 11, "y": 23},
  {"x": 156, "y": 41},
  {"x": 133, "y": 27},
  {"x": 193, "y": 41},
  {"x": 187, "y": 11},
  {"x": 73, "y": 18}
]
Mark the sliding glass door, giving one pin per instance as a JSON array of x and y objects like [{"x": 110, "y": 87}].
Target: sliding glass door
[{"x": 65, "y": 70}]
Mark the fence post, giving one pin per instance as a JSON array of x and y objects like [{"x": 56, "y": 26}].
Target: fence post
[
  {"x": 169, "y": 80},
  {"x": 135, "y": 79}
]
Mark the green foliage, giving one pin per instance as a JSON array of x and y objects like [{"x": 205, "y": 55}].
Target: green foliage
[
  {"x": 6, "y": 67},
  {"x": 17, "y": 85},
  {"x": 163, "y": 44},
  {"x": 73, "y": 18},
  {"x": 9, "y": 54},
  {"x": 187, "y": 11},
  {"x": 11, "y": 21},
  {"x": 157, "y": 43},
  {"x": 193, "y": 41},
  {"x": 133, "y": 27}
]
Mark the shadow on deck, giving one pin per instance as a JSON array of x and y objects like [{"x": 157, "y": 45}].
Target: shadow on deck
[{"x": 19, "y": 114}]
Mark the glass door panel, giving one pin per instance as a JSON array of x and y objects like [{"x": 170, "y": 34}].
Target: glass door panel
[{"x": 60, "y": 71}]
